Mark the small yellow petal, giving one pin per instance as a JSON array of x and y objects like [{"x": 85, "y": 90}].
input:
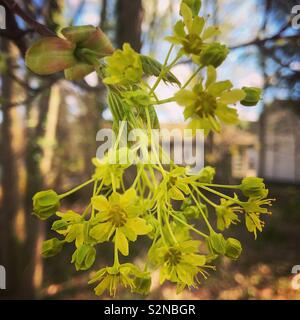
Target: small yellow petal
[
  {"x": 100, "y": 203},
  {"x": 121, "y": 242},
  {"x": 139, "y": 226}
]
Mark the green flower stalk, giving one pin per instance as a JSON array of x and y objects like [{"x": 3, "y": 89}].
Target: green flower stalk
[{"x": 166, "y": 204}]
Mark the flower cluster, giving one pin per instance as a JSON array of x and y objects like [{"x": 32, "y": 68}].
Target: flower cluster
[{"x": 168, "y": 205}]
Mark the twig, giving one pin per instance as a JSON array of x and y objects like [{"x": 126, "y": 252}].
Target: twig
[
  {"x": 277, "y": 36},
  {"x": 38, "y": 27},
  {"x": 78, "y": 12}
]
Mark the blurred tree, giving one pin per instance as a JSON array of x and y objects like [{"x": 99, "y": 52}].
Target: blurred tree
[
  {"x": 281, "y": 48},
  {"x": 20, "y": 255},
  {"x": 277, "y": 45},
  {"x": 129, "y": 23},
  {"x": 11, "y": 243},
  {"x": 41, "y": 127}
]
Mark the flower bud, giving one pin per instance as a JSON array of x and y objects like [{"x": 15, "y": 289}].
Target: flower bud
[
  {"x": 253, "y": 187},
  {"x": 45, "y": 204},
  {"x": 206, "y": 174},
  {"x": 50, "y": 55},
  {"x": 216, "y": 243},
  {"x": 142, "y": 285},
  {"x": 51, "y": 247},
  {"x": 59, "y": 225},
  {"x": 152, "y": 67},
  {"x": 78, "y": 72},
  {"x": 76, "y": 54},
  {"x": 214, "y": 55},
  {"x": 192, "y": 212},
  {"x": 253, "y": 95},
  {"x": 84, "y": 257},
  {"x": 233, "y": 248}
]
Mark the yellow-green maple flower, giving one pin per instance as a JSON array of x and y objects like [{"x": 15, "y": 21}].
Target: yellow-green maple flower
[
  {"x": 109, "y": 173},
  {"x": 177, "y": 186},
  {"x": 253, "y": 209},
  {"x": 71, "y": 226},
  {"x": 173, "y": 186},
  {"x": 111, "y": 167},
  {"x": 111, "y": 278},
  {"x": 124, "y": 67},
  {"x": 227, "y": 214},
  {"x": 180, "y": 263},
  {"x": 118, "y": 216},
  {"x": 190, "y": 32},
  {"x": 207, "y": 105},
  {"x": 75, "y": 54}
]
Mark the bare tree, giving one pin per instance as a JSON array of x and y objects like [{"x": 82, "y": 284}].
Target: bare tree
[{"x": 129, "y": 23}]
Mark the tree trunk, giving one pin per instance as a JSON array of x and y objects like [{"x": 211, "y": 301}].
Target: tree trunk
[
  {"x": 129, "y": 25},
  {"x": 263, "y": 121},
  {"x": 34, "y": 184},
  {"x": 39, "y": 163},
  {"x": 262, "y": 144},
  {"x": 11, "y": 206}
]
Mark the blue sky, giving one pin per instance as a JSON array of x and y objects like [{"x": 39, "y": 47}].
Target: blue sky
[
  {"x": 242, "y": 72},
  {"x": 240, "y": 21}
]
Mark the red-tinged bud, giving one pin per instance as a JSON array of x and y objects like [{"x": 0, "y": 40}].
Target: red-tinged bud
[
  {"x": 78, "y": 34},
  {"x": 50, "y": 55},
  {"x": 77, "y": 54},
  {"x": 99, "y": 43},
  {"x": 79, "y": 71}
]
